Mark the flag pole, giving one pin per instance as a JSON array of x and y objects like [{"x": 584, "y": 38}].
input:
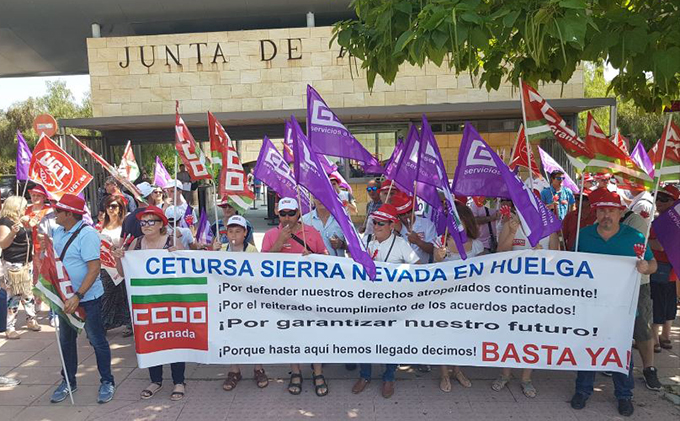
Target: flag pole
[
  {"x": 526, "y": 134},
  {"x": 304, "y": 236},
  {"x": 580, "y": 209},
  {"x": 658, "y": 180},
  {"x": 174, "y": 207},
  {"x": 63, "y": 363}
]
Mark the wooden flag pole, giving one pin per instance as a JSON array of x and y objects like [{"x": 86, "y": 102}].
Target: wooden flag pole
[
  {"x": 174, "y": 207},
  {"x": 526, "y": 134},
  {"x": 304, "y": 236},
  {"x": 63, "y": 363},
  {"x": 580, "y": 209}
]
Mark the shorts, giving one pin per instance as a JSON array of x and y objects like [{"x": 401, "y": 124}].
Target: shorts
[
  {"x": 643, "y": 321},
  {"x": 664, "y": 302}
]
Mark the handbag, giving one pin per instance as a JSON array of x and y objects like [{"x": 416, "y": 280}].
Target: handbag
[{"x": 19, "y": 278}]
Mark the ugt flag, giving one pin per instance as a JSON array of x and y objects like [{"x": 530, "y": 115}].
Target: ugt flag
[
  {"x": 310, "y": 173},
  {"x": 667, "y": 164},
  {"x": 329, "y": 136},
  {"x": 23, "y": 157},
  {"x": 56, "y": 170},
  {"x": 481, "y": 172},
  {"x": 272, "y": 170}
]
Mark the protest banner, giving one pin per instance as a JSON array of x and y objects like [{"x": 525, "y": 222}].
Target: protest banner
[{"x": 532, "y": 308}]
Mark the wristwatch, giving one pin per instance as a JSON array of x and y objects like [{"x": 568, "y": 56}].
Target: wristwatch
[{"x": 79, "y": 295}]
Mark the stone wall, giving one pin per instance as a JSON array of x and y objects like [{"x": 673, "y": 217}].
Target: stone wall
[{"x": 237, "y": 71}]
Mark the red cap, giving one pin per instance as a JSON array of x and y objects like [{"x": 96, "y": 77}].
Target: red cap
[
  {"x": 671, "y": 190},
  {"x": 402, "y": 203},
  {"x": 71, "y": 203},
  {"x": 385, "y": 185},
  {"x": 386, "y": 212},
  {"x": 153, "y": 210},
  {"x": 603, "y": 198},
  {"x": 334, "y": 177},
  {"x": 39, "y": 189},
  {"x": 602, "y": 176}
]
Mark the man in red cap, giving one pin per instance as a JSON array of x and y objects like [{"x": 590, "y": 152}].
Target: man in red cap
[
  {"x": 391, "y": 248},
  {"x": 418, "y": 231},
  {"x": 78, "y": 246},
  {"x": 609, "y": 236}
]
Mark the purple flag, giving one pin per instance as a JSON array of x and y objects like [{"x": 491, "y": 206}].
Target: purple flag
[
  {"x": 288, "y": 143},
  {"x": 309, "y": 173},
  {"x": 187, "y": 220},
  {"x": 550, "y": 165},
  {"x": 329, "y": 136},
  {"x": 641, "y": 158},
  {"x": 23, "y": 157},
  {"x": 481, "y": 172},
  {"x": 431, "y": 171},
  {"x": 204, "y": 234},
  {"x": 161, "y": 176},
  {"x": 273, "y": 171},
  {"x": 667, "y": 229}
]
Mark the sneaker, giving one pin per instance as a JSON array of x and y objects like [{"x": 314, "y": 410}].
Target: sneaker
[
  {"x": 53, "y": 321},
  {"x": 626, "y": 408},
  {"x": 8, "y": 381},
  {"x": 33, "y": 325},
  {"x": 651, "y": 379},
  {"x": 578, "y": 401},
  {"x": 106, "y": 391},
  {"x": 61, "y": 393},
  {"x": 12, "y": 334}
]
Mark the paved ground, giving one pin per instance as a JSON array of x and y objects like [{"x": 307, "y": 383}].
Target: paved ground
[{"x": 35, "y": 360}]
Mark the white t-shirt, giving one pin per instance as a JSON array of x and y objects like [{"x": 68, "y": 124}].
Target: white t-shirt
[
  {"x": 186, "y": 236},
  {"x": 643, "y": 205},
  {"x": 477, "y": 248},
  {"x": 426, "y": 231},
  {"x": 401, "y": 251},
  {"x": 111, "y": 235}
]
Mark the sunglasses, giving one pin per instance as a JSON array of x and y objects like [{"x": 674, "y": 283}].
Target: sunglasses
[
  {"x": 664, "y": 198},
  {"x": 149, "y": 223},
  {"x": 380, "y": 223},
  {"x": 288, "y": 213},
  {"x": 370, "y": 189},
  {"x": 559, "y": 178},
  {"x": 113, "y": 206},
  {"x": 157, "y": 192}
]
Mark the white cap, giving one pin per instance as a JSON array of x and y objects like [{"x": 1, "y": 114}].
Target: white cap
[
  {"x": 145, "y": 188},
  {"x": 238, "y": 220},
  {"x": 288, "y": 203},
  {"x": 174, "y": 183},
  {"x": 174, "y": 212}
]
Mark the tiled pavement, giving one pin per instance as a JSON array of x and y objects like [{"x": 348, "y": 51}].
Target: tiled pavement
[{"x": 35, "y": 360}]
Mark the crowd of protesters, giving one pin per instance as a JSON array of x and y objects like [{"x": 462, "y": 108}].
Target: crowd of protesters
[{"x": 392, "y": 231}]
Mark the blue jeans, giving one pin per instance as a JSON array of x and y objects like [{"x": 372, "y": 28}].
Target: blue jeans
[
  {"x": 177, "y": 370},
  {"x": 623, "y": 384},
  {"x": 388, "y": 375},
  {"x": 96, "y": 334},
  {"x": 3, "y": 310}
]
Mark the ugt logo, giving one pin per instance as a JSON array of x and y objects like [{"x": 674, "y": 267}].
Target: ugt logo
[{"x": 165, "y": 321}]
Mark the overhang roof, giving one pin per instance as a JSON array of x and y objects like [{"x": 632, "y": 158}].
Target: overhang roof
[{"x": 48, "y": 37}]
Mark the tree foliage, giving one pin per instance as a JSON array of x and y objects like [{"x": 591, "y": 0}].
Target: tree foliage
[
  {"x": 537, "y": 40},
  {"x": 57, "y": 101}
]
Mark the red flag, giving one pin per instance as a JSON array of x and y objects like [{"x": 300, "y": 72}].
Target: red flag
[
  {"x": 670, "y": 171},
  {"x": 191, "y": 155},
  {"x": 56, "y": 170},
  {"x": 520, "y": 156},
  {"x": 620, "y": 141},
  {"x": 542, "y": 121}
]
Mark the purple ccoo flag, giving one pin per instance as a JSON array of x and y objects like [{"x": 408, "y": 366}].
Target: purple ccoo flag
[
  {"x": 273, "y": 171},
  {"x": 481, "y": 172},
  {"x": 161, "y": 177},
  {"x": 23, "y": 157},
  {"x": 204, "y": 234},
  {"x": 667, "y": 229},
  {"x": 329, "y": 136},
  {"x": 550, "y": 165},
  {"x": 641, "y": 158},
  {"x": 310, "y": 173}
]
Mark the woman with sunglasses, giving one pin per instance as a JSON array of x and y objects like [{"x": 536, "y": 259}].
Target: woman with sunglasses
[
  {"x": 446, "y": 251},
  {"x": 155, "y": 235},
  {"x": 115, "y": 312}
]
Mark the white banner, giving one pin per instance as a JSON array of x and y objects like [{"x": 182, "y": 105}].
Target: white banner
[{"x": 533, "y": 308}]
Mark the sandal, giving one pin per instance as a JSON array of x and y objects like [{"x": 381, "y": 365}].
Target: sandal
[
  {"x": 445, "y": 384},
  {"x": 500, "y": 383},
  {"x": 464, "y": 381},
  {"x": 261, "y": 378},
  {"x": 528, "y": 389},
  {"x": 231, "y": 381},
  {"x": 178, "y": 392},
  {"x": 151, "y": 390},
  {"x": 319, "y": 388},
  {"x": 295, "y": 388}
]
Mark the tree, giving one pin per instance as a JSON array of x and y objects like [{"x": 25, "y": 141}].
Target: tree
[
  {"x": 57, "y": 101},
  {"x": 539, "y": 41}
]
